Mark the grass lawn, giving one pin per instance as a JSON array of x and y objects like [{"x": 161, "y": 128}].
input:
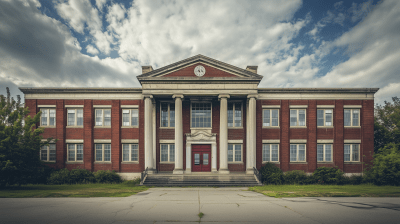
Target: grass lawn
[
  {"x": 366, "y": 190},
  {"x": 124, "y": 189}
]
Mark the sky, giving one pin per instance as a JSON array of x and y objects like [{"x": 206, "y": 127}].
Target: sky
[{"x": 294, "y": 43}]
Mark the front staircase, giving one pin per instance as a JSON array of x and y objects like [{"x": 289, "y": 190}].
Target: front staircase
[{"x": 210, "y": 180}]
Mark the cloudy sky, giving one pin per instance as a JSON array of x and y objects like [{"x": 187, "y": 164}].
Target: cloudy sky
[{"x": 104, "y": 43}]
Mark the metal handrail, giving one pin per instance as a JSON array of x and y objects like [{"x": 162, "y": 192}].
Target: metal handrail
[
  {"x": 257, "y": 174},
  {"x": 143, "y": 176}
]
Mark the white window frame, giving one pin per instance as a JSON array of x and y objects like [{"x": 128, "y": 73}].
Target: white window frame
[
  {"x": 351, "y": 117},
  {"x": 76, "y": 152},
  {"x": 47, "y": 148},
  {"x": 270, "y": 153},
  {"x": 270, "y": 118},
  {"x": 130, "y": 117},
  {"x": 169, "y": 153},
  {"x": 297, "y": 153},
  {"x": 233, "y": 114},
  {"x": 324, "y": 116},
  {"x": 75, "y": 117},
  {"x": 234, "y": 153},
  {"x": 191, "y": 113},
  {"x": 297, "y": 118},
  {"x": 169, "y": 115},
  {"x": 102, "y": 152},
  {"x": 131, "y": 149},
  {"x": 48, "y": 117},
  {"x": 103, "y": 118},
  {"x": 324, "y": 153},
  {"x": 351, "y": 153}
]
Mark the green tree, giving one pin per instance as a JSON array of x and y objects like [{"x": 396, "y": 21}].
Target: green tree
[
  {"x": 386, "y": 166},
  {"x": 20, "y": 143},
  {"x": 387, "y": 124}
]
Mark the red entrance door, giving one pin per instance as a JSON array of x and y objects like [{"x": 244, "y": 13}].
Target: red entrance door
[{"x": 201, "y": 158}]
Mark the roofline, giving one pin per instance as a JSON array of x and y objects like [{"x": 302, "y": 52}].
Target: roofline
[
  {"x": 29, "y": 90},
  {"x": 318, "y": 90}
]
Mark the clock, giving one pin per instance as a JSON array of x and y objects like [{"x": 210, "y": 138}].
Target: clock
[{"x": 199, "y": 71}]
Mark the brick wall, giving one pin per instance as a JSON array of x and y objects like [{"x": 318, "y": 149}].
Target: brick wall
[{"x": 210, "y": 72}]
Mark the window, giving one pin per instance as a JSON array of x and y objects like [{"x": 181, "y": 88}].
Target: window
[
  {"x": 48, "y": 153},
  {"x": 103, "y": 152},
  {"x": 352, "y": 153},
  {"x": 48, "y": 117},
  {"x": 129, "y": 117},
  {"x": 167, "y": 115},
  {"x": 103, "y": 117},
  {"x": 324, "y": 153},
  {"x": 75, "y": 117},
  {"x": 270, "y": 153},
  {"x": 201, "y": 115},
  {"x": 297, "y": 118},
  {"x": 234, "y": 153},
  {"x": 297, "y": 152},
  {"x": 75, "y": 152},
  {"x": 271, "y": 118},
  {"x": 352, "y": 117},
  {"x": 324, "y": 118},
  {"x": 234, "y": 115},
  {"x": 130, "y": 152},
  {"x": 168, "y": 153}
]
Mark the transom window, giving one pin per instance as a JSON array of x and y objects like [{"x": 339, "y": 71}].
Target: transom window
[
  {"x": 324, "y": 153},
  {"x": 270, "y": 152},
  {"x": 48, "y": 153},
  {"x": 297, "y": 152},
  {"x": 75, "y": 152},
  {"x": 297, "y": 117},
  {"x": 324, "y": 118},
  {"x": 103, "y": 152},
  {"x": 75, "y": 117},
  {"x": 103, "y": 117},
  {"x": 352, "y": 153},
  {"x": 130, "y": 152},
  {"x": 234, "y": 115},
  {"x": 129, "y": 117},
  {"x": 167, "y": 115},
  {"x": 234, "y": 153},
  {"x": 48, "y": 117},
  {"x": 201, "y": 115},
  {"x": 167, "y": 153},
  {"x": 352, "y": 117},
  {"x": 271, "y": 118}
]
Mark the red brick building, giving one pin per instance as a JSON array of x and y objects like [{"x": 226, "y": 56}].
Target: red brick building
[{"x": 203, "y": 115}]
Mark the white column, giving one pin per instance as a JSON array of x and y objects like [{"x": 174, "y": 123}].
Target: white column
[
  {"x": 178, "y": 135},
  {"x": 148, "y": 133},
  {"x": 223, "y": 134},
  {"x": 154, "y": 135},
  {"x": 251, "y": 138}
]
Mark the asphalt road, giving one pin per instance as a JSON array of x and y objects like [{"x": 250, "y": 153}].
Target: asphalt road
[{"x": 182, "y": 205}]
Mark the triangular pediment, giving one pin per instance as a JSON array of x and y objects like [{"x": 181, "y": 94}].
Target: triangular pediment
[{"x": 213, "y": 70}]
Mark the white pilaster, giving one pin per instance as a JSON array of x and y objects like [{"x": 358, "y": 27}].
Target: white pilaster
[
  {"x": 251, "y": 134},
  {"x": 178, "y": 135},
  {"x": 148, "y": 132},
  {"x": 223, "y": 134},
  {"x": 154, "y": 135}
]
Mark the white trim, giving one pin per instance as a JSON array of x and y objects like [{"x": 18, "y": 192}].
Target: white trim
[
  {"x": 271, "y": 106},
  {"x": 298, "y": 106},
  {"x": 53, "y": 141},
  {"x": 236, "y": 141},
  {"x": 324, "y": 141},
  {"x": 324, "y": 117},
  {"x": 130, "y": 118},
  {"x": 324, "y": 153},
  {"x": 75, "y": 118},
  {"x": 270, "y": 118},
  {"x": 356, "y": 141},
  {"x": 81, "y": 96},
  {"x": 352, "y": 106},
  {"x": 270, "y": 153},
  {"x": 127, "y": 141},
  {"x": 271, "y": 141},
  {"x": 316, "y": 96},
  {"x": 130, "y": 161},
  {"x": 102, "y": 161},
  {"x": 46, "y": 106},
  {"x": 167, "y": 141},
  {"x": 102, "y": 106},
  {"x": 102, "y": 141},
  {"x": 130, "y": 106},
  {"x": 233, "y": 154},
  {"x": 72, "y": 141},
  {"x": 73, "y": 106},
  {"x": 298, "y": 141},
  {"x": 325, "y": 106}
]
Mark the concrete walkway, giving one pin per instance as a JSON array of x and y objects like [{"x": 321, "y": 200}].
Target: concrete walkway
[{"x": 182, "y": 205}]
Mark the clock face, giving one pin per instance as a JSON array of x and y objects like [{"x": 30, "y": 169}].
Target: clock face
[{"x": 199, "y": 70}]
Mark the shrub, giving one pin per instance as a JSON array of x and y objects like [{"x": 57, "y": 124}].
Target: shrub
[
  {"x": 296, "y": 177},
  {"x": 328, "y": 175},
  {"x": 107, "y": 176},
  {"x": 386, "y": 166},
  {"x": 81, "y": 176},
  {"x": 355, "y": 180},
  {"x": 59, "y": 177},
  {"x": 271, "y": 174}
]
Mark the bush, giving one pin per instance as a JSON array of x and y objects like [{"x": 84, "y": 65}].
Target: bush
[
  {"x": 59, "y": 177},
  {"x": 386, "y": 166},
  {"x": 271, "y": 174},
  {"x": 75, "y": 176},
  {"x": 328, "y": 175},
  {"x": 296, "y": 177},
  {"x": 107, "y": 176},
  {"x": 355, "y": 180}
]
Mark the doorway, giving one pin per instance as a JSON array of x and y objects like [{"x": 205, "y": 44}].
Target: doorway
[{"x": 201, "y": 158}]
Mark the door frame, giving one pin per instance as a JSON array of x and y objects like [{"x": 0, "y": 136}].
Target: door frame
[
  {"x": 199, "y": 137},
  {"x": 202, "y": 152}
]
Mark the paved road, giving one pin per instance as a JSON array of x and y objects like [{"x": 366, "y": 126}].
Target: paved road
[{"x": 182, "y": 205}]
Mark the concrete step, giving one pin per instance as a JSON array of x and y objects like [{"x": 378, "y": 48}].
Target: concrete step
[{"x": 200, "y": 180}]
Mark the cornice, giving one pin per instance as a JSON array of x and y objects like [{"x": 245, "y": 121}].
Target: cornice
[
  {"x": 30, "y": 90},
  {"x": 317, "y": 90}
]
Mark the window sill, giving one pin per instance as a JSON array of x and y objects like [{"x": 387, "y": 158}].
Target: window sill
[
  {"x": 129, "y": 127},
  {"x": 102, "y": 126},
  {"x": 298, "y": 126},
  {"x": 129, "y": 162},
  {"x": 48, "y": 162},
  {"x": 272, "y": 127},
  {"x": 167, "y": 162},
  {"x": 352, "y": 162},
  {"x": 352, "y": 126},
  {"x": 235, "y": 127},
  {"x": 264, "y": 162},
  {"x": 208, "y": 128},
  {"x": 324, "y": 126},
  {"x": 298, "y": 163},
  {"x": 74, "y": 162},
  {"x": 102, "y": 162},
  {"x": 235, "y": 162},
  {"x": 324, "y": 162},
  {"x": 42, "y": 126},
  {"x": 167, "y": 127},
  {"x": 74, "y": 126}
]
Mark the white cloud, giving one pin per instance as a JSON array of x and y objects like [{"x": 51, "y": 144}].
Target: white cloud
[
  {"x": 100, "y": 4},
  {"x": 92, "y": 50}
]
